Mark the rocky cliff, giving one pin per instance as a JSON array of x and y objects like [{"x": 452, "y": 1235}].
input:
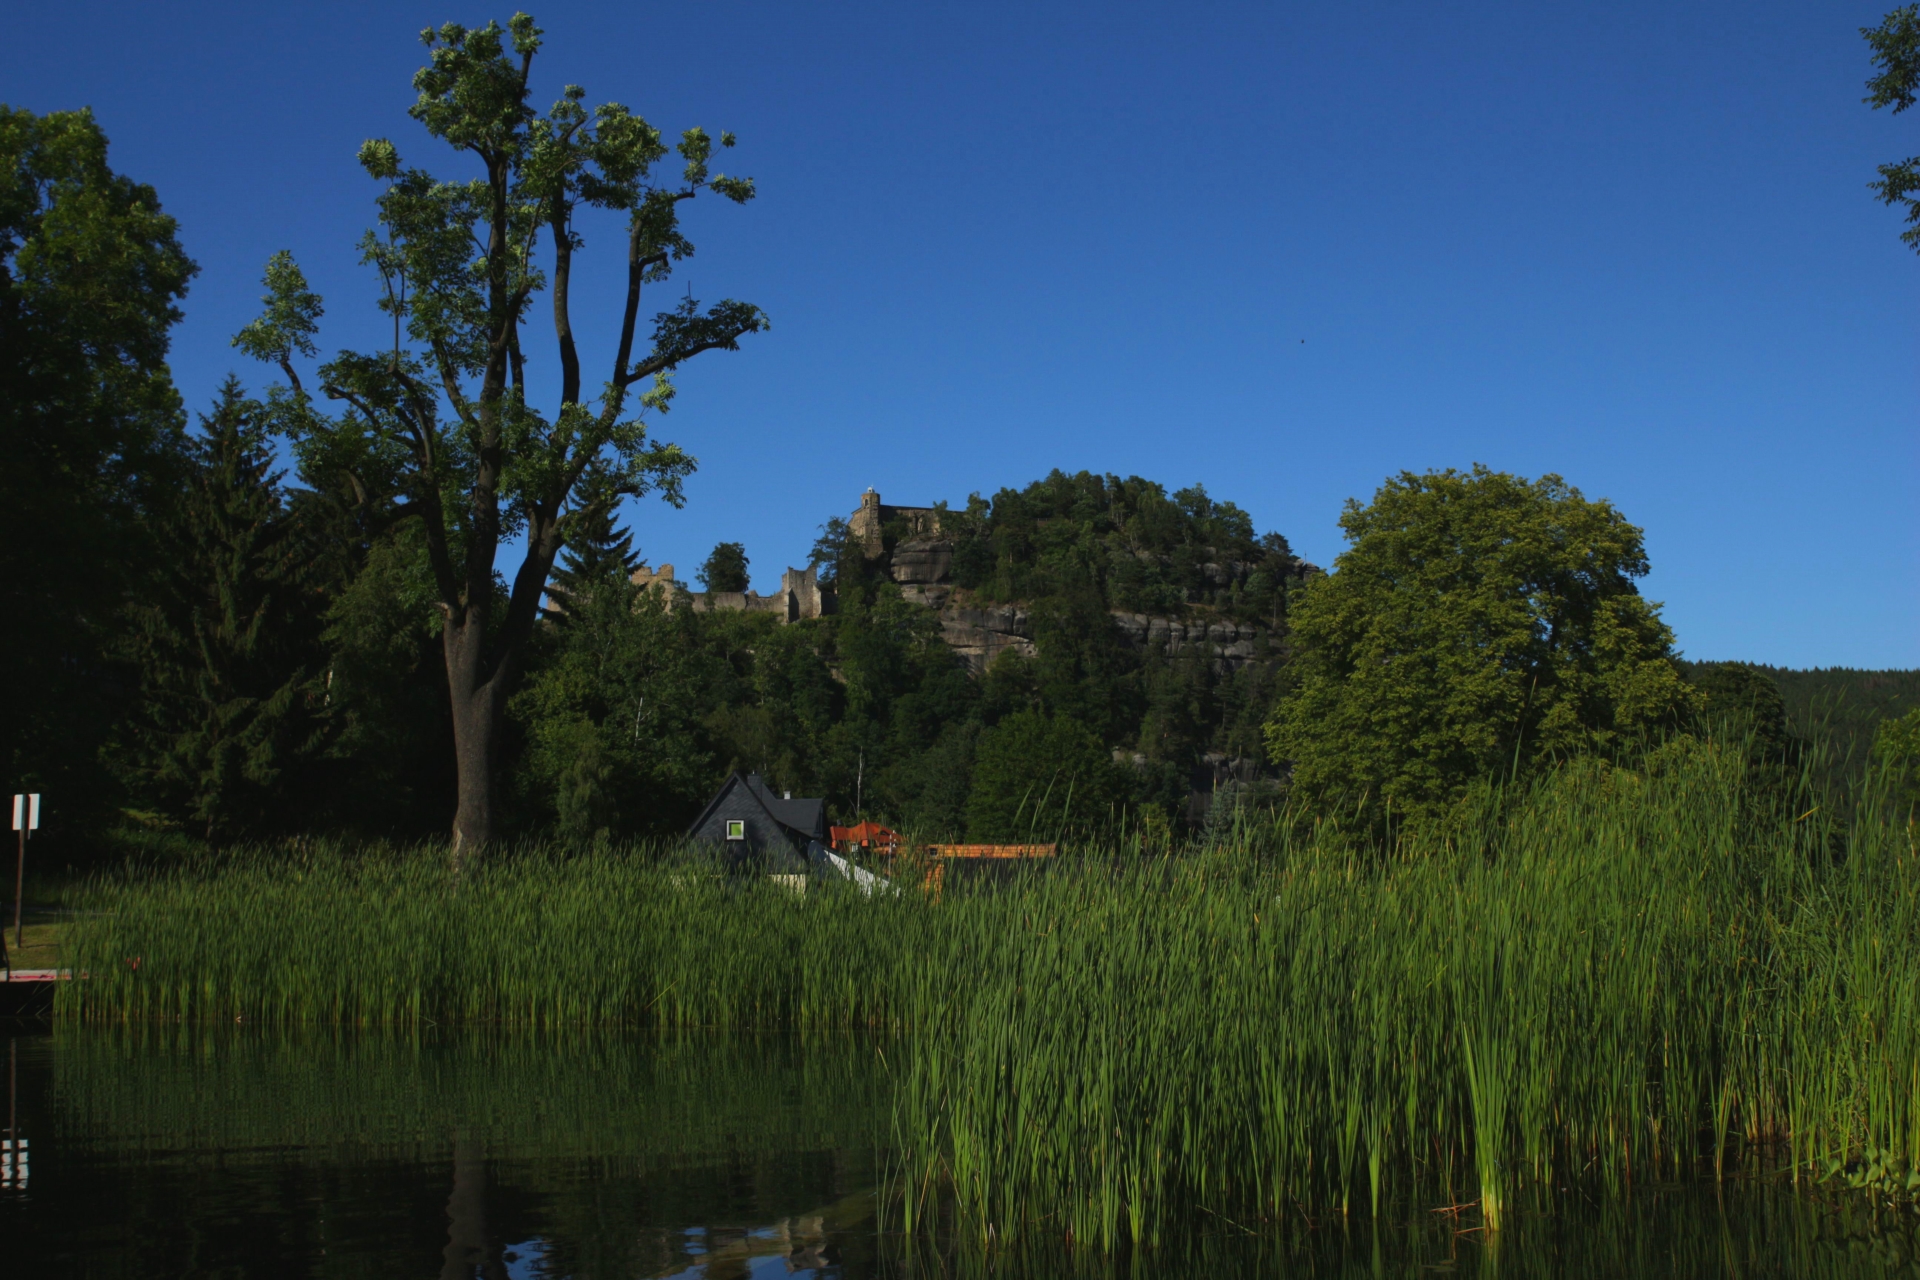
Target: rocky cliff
[{"x": 922, "y": 564}]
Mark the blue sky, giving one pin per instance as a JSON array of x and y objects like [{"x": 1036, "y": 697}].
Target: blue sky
[{"x": 1281, "y": 250}]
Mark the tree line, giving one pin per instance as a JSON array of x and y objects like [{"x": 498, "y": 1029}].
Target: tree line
[{"x": 292, "y": 616}]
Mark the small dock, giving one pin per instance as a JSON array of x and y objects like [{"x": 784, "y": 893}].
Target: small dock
[{"x": 28, "y": 993}]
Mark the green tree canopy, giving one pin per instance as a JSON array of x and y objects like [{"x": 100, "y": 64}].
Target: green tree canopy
[
  {"x": 1744, "y": 701},
  {"x": 439, "y": 428},
  {"x": 1478, "y": 624},
  {"x": 1120, "y": 543},
  {"x": 725, "y": 568},
  {"x": 599, "y": 555},
  {"x": 91, "y": 275},
  {"x": 1896, "y": 748},
  {"x": 1038, "y": 777}
]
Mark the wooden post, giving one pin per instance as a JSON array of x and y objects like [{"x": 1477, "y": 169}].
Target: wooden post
[
  {"x": 26, "y": 817},
  {"x": 19, "y": 889}
]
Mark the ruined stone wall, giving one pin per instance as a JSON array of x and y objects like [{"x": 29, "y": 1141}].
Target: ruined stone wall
[
  {"x": 873, "y": 516},
  {"x": 799, "y": 595}
]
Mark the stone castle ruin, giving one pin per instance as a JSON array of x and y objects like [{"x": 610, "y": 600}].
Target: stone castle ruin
[
  {"x": 799, "y": 596},
  {"x": 921, "y": 564}
]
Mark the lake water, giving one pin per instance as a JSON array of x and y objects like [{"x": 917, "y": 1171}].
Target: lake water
[{"x": 165, "y": 1151}]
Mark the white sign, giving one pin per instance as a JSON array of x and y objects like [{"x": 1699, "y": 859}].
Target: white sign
[{"x": 26, "y": 812}]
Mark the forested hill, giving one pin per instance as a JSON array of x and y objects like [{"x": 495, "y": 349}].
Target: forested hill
[
  {"x": 1838, "y": 709},
  {"x": 1125, "y": 543},
  {"x": 1092, "y": 630}
]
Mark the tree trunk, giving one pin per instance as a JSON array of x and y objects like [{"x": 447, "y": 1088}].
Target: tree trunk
[
  {"x": 481, "y": 671},
  {"x": 466, "y": 1251},
  {"x": 475, "y": 702}
]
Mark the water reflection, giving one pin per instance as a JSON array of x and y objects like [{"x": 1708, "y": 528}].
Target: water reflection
[{"x": 174, "y": 1152}]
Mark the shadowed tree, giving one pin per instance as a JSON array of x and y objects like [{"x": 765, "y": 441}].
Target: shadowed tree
[
  {"x": 1037, "y": 777},
  {"x": 91, "y": 275},
  {"x": 439, "y": 427},
  {"x": 228, "y": 647}
]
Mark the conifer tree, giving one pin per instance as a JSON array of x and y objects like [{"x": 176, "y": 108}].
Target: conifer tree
[
  {"x": 599, "y": 553},
  {"x": 227, "y": 645}
]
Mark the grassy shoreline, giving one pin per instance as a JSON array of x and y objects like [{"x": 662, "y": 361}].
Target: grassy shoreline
[{"x": 1615, "y": 978}]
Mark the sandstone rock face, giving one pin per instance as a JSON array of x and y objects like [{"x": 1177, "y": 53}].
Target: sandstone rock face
[
  {"x": 981, "y": 635},
  {"x": 933, "y": 595},
  {"x": 922, "y": 560},
  {"x": 1234, "y": 644}
]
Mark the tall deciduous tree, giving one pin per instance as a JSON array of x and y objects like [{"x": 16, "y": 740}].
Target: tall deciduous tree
[
  {"x": 1477, "y": 625},
  {"x": 91, "y": 275},
  {"x": 1896, "y": 52},
  {"x": 441, "y": 422}
]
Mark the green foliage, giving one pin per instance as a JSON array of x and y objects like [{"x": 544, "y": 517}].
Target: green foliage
[
  {"x": 1599, "y": 981},
  {"x": 91, "y": 276},
  {"x": 1121, "y": 544},
  {"x": 869, "y": 706},
  {"x": 1478, "y": 625},
  {"x": 231, "y": 691},
  {"x": 725, "y": 568},
  {"x": 1896, "y": 52},
  {"x": 290, "y": 322},
  {"x": 1838, "y": 710},
  {"x": 614, "y": 717},
  {"x": 1896, "y": 749},
  {"x": 438, "y": 429},
  {"x": 389, "y": 769},
  {"x": 599, "y": 551},
  {"x": 827, "y": 550},
  {"x": 1746, "y": 697},
  {"x": 1743, "y": 705},
  {"x": 1038, "y": 778}
]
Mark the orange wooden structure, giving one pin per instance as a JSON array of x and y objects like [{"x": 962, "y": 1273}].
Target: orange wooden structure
[
  {"x": 936, "y": 858},
  {"x": 990, "y": 850},
  {"x": 893, "y": 859},
  {"x": 864, "y": 837}
]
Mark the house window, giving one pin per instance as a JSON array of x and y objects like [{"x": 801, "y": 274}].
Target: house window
[{"x": 736, "y": 828}]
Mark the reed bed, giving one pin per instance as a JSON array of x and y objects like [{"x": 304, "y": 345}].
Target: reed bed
[{"x": 1611, "y": 979}]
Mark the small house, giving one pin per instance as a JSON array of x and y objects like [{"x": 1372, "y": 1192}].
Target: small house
[{"x": 752, "y": 824}]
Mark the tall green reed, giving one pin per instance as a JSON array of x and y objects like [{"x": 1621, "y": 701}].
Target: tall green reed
[{"x": 1607, "y": 978}]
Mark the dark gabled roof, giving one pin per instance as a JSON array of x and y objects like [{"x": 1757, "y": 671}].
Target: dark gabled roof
[
  {"x": 807, "y": 817},
  {"x": 804, "y": 818}
]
